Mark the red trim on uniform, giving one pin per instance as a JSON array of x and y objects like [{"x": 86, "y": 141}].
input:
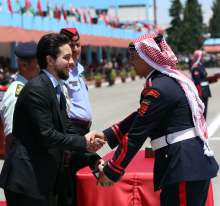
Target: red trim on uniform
[
  {"x": 68, "y": 33},
  {"x": 182, "y": 193},
  {"x": 119, "y": 131},
  {"x": 145, "y": 85},
  {"x": 116, "y": 134},
  {"x": 150, "y": 82},
  {"x": 125, "y": 148},
  {"x": 118, "y": 171},
  {"x": 119, "y": 167},
  {"x": 199, "y": 90},
  {"x": 121, "y": 154},
  {"x": 151, "y": 92},
  {"x": 143, "y": 109}
]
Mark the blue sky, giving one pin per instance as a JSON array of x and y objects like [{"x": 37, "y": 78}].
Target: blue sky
[{"x": 164, "y": 5}]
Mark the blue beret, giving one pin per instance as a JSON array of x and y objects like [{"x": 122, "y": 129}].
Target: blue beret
[{"x": 26, "y": 50}]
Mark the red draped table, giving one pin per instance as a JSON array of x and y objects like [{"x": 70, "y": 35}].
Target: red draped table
[{"x": 134, "y": 189}]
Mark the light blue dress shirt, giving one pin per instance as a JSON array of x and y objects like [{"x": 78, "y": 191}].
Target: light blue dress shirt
[
  {"x": 78, "y": 94},
  {"x": 54, "y": 82},
  {"x": 52, "y": 78}
]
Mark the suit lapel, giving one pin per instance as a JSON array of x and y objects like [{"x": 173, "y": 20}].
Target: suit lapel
[{"x": 48, "y": 82}]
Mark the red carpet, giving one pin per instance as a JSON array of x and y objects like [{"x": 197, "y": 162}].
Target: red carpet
[{"x": 3, "y": 203}]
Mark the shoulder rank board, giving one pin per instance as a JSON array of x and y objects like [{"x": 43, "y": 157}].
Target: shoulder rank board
[{"x": 18, "y": 89}]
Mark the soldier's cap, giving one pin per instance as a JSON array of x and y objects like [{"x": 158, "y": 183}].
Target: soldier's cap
[
  {"x": 72, "y": 33},
  {"x": 26, "y": 50}
]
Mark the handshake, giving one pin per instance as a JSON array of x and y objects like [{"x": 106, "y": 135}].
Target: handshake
[{"x": 95, "y": 141}]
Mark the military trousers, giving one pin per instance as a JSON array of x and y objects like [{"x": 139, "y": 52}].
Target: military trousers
[{"x": 190, "y": 193}]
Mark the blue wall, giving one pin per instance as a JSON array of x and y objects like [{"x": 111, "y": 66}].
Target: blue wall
[
  {"x": 47, "y": 24},
  {"x": 212, "y": 41}
]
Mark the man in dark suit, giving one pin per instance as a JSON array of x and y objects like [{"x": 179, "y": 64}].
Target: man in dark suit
[{"x": 42, "y": 129}]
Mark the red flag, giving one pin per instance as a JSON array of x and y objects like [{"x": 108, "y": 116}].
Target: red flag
[
  {"x": 118, "y": 25},
  {"x": 57, "y": 12},
  {"x": 40, "y": 9},
  {"x": 91, "y": 20},
  {"x": 113, "y": 23},
  {"x": 156, "y": 28},
  {"x": 134, "y": 23},
  {"x": 27, "y": 3},
  {"x": 146, "y": 26},
  {"x": 9, "y": 6},
  {"x": 84, "y": 15},
  {"x": 65, "y": 13},
  {"x": 104, "y": 19}
]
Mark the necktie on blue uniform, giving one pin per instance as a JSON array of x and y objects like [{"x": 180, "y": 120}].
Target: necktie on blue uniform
[{"x": 58, "y": 91}]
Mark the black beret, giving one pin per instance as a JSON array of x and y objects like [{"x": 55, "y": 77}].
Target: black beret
[{"x": 26, "y": 50}]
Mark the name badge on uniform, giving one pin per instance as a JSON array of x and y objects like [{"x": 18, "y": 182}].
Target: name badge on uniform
[{"x": 74, "y": 83}]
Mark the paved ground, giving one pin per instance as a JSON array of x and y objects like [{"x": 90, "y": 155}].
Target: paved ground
[{"x": 112, "y": 104}]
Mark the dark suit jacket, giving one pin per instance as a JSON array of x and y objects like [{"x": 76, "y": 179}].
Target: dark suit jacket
[{"x": 41, "y": 130}]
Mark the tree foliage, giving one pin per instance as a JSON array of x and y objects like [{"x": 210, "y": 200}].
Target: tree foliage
[
  {"x": 192, "y": 26},
  {"x": 186, "y": 35},
  {"x": 214, "y": 24},
  {"x": 174, "y": 31}
]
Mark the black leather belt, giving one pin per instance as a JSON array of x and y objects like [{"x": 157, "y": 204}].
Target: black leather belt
[{"x": 86, "y": 124}]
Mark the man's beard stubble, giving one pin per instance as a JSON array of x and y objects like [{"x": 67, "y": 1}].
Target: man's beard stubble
[{"x": 61, "y": 74}]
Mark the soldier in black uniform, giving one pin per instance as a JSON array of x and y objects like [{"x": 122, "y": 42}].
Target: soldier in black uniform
[
  {"x": 170, "y": 114},
  {"x": 199, "y": 75}
]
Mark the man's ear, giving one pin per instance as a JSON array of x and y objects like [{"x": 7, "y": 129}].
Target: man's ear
[
  {"x": 50, "y": 60},
  {"x": 23, "y": 65}
]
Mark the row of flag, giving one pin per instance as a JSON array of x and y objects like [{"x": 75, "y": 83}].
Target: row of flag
[
  {"x": 150, "y": 27},
  {"x": 108, "y": 20},
  {"x": 27, "y": 7}
]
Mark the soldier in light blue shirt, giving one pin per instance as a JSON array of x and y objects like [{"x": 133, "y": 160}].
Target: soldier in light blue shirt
[
  {"x": 78, "y": 94},
  {"x": 80, "y": 114}
]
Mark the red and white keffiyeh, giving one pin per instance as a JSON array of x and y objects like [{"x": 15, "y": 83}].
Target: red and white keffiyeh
[
  {"x": 165, "y": 62},
  {"x": 196, "y": 58}
]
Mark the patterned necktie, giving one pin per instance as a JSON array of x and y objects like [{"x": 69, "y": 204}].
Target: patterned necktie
[{"x": 58, "y": 91}]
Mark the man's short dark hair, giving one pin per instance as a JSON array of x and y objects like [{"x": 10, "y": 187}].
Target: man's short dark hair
[{"x": 49, "y": 45}]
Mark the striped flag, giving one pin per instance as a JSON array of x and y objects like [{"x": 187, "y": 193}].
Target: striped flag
[
  {"x": 84, "y": 15},
  {"x": 57, "y": 11},
  {"x": 100, "y": 18},
  {"x": 19, "y": 4},
  {"x": 9, "y": 6},
  {"x": 40, "y": 9},
  {"x": 91, "y": 20},
  {"x": 65, "y": 13}
]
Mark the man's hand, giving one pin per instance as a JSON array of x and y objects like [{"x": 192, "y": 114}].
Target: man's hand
[
  {"x": 102, "y": 177},
  {"x": 93, "y": 144},
  {"x": 101, "y": 135}
]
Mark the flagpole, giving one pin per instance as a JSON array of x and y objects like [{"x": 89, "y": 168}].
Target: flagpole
[{"x": 155, "y": 12}]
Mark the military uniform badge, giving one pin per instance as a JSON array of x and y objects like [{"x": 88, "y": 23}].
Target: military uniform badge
[{"x": 18, "y": 89}]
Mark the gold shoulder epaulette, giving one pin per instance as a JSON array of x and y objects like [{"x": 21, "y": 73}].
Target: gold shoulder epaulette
[{"x": 18, "y": 89}]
